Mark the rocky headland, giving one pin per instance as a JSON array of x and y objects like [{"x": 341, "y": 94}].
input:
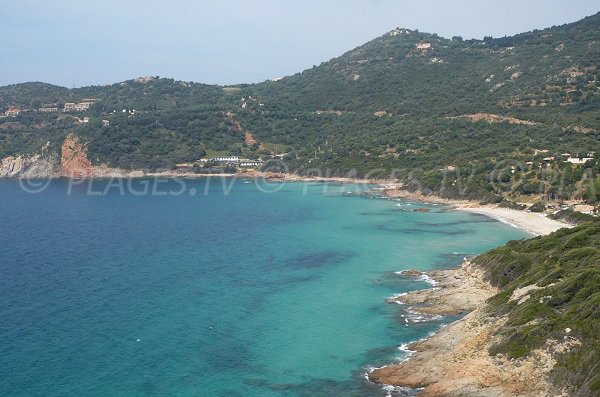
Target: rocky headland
[{"x": 456, "y": 360}]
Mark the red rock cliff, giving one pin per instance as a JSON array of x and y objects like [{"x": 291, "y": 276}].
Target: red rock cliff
[{"x": 74, "y": 161}]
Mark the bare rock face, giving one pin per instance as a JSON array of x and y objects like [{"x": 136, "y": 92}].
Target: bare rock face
[
  {"x": 74, "y": 160},
  {"x": 455, "y": 362},
  {"x": 34, "y": 166},
  {"x": 12, "y": 166}
]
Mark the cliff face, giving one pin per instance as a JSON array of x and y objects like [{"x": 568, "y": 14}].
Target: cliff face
[
  {"x": 34, "y": 166},
  {"x": 74, "y": 160},
  {"x": 73, "y": 163}
]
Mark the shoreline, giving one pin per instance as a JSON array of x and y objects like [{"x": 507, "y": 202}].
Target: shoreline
[
  {"x": 455, "y": 360},
  {"x": 535, "y": 224}
]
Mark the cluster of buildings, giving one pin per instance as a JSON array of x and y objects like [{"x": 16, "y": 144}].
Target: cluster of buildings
[
  {"x": 232, "y": 161},
  {"x": 246, "y": 102},
  {"x": 14, "y": 111},
  {"x": 565, "y": 157},
  {"x": 82, "y": 106},
  {"x": 85, "y": 120},
  {"x": 77, "y": 107}
]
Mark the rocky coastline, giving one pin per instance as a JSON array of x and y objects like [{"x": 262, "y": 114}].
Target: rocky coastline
[{"x": 456, "y": 361}]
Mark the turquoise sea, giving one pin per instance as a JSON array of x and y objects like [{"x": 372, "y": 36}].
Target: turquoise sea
[{"x": 214, "y": 288}]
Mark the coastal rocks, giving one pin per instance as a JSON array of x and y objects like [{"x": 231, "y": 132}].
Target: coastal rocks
[
  {"x": 456, "y": 360},
  {"x": 457, "y": 291},
  {"x": 410, "y": 273},
  {"x": 34, "y": 166},
  {"x": 74, "y": 161}
]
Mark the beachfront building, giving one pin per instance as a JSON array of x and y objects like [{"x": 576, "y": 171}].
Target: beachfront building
[
  {"x": 225, "y": 159},
  {"x": 245, "y": 163}
]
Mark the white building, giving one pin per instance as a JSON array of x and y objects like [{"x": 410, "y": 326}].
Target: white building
[
  {"x": 225, "y": 159},
  {"x": 12, "y": 112},
  {"x": 48, "y": 110},
  {"x": 577, "y": 160},
  {"x": 77, "y": 107},
  {"x": 250, "y": 163}
]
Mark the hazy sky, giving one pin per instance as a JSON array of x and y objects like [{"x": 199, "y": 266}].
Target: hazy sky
[{"x": 76, "y": 43}]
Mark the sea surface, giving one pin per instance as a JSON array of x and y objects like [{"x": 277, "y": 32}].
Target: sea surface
[{"x": 214, "y": 287}]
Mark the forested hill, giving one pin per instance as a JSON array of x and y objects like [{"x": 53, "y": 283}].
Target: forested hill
[{"x": 405, "y": 99}]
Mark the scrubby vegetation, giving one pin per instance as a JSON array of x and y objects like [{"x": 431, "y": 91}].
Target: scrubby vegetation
[
  {"x": 572, "y": 217},
  {"x": 566, "y": 265},
  {"x": 469, "y": 118}
]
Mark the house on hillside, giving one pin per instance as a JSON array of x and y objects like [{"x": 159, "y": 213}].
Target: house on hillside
[
  {"x": 77, "y": 107},
  {"x": 48, "y": 110},
  {"x": 423, "y": 46},
  {"x": 105, "y": 123},
  {"x": 578, "y": 160},
  {"x": 12, "y": 112}
]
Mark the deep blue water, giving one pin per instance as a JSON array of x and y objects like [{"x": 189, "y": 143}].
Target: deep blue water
[{"x": 211, "y": 294}]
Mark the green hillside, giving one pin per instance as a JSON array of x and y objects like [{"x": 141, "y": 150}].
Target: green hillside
[{"x": 403, "y": 101}]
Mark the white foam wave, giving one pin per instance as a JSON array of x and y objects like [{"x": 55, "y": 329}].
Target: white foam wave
[
  {"x": 427, "y": 279},
  {"x": 422, "y": 277},
  {"x": 394, "y": 298},
  {"x": 392, "y": 391},
  {"x": 413, "y": 316}
]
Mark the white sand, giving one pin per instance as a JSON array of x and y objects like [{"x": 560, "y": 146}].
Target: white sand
[{"x": 536, "y": 224}]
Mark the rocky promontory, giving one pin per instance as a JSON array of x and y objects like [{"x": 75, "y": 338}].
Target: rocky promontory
[{"x": 456, "y": 360}]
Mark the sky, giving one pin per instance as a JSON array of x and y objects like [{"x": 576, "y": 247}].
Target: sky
[{"x": 78, "y": 43}]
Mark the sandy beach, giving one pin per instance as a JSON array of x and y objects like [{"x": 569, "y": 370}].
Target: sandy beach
[{"x": 534, "y": 223}]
